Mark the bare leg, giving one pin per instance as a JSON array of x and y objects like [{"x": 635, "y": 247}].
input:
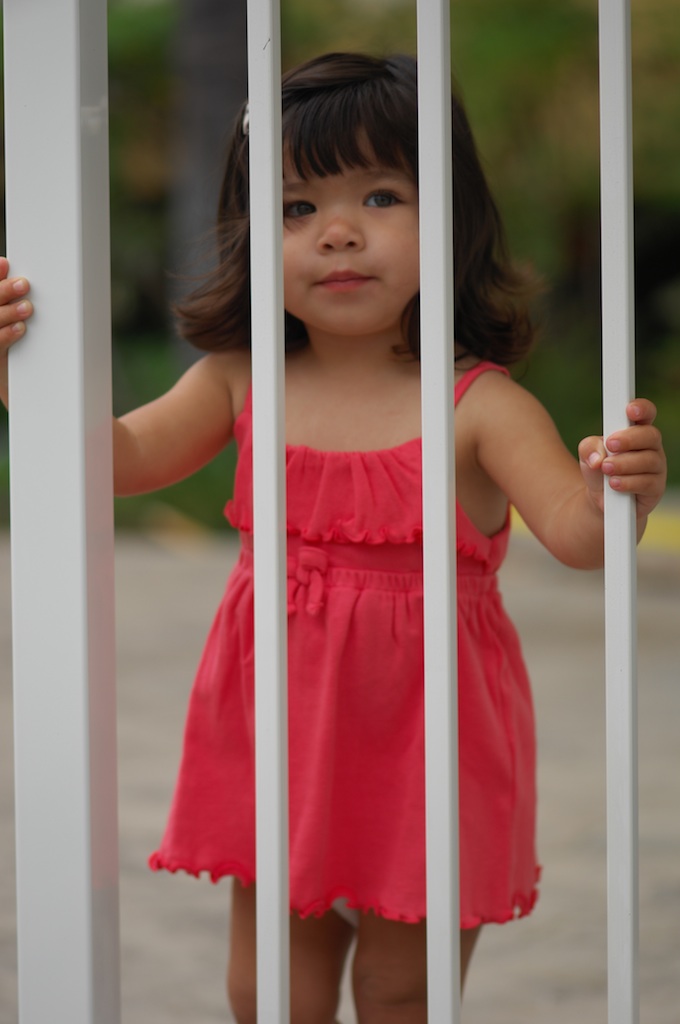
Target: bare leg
[
  {"x": 390, "y": 970},
  {"x": 318, "y": 949},
  {"x": 468, "y": 941}
]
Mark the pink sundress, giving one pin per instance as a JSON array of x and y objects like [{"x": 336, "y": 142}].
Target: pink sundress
[{"x": 357, "y": 789}]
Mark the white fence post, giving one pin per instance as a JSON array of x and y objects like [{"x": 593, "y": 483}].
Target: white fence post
[
  {"x": 439, "y": 537},
  {"x": 269, "y": 489},
  {"x": 616, "y": 163},
  {"x": 61, "y": 513}
]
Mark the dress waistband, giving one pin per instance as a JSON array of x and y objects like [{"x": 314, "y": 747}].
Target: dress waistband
[
  {"x": 390, "y": 558},
  {"x": 315, "y": 566}
]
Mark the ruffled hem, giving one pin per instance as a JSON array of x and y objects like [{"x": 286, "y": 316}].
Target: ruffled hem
[
  {"x": 522, "y": 905},
  {"x": 158, "y": 862},
  {"x": 321, "y": 907}
]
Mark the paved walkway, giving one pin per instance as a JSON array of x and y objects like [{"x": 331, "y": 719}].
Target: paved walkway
[{"x": 548, "y": 969}]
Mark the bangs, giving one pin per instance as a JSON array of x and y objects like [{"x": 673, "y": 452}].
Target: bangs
[{"x": 349, "y": 124}]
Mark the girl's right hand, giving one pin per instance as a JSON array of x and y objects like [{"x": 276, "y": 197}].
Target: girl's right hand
[{"x": 15, "y": 310}]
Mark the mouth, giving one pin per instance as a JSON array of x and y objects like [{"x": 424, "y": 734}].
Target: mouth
[{"x": 344, "y": 280}]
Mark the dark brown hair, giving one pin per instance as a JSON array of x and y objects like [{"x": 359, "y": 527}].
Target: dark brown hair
[{"x": 346, "y": 110}]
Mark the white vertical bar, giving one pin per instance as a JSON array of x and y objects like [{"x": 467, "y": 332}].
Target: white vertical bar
[
  {"x": 441, "y": 694},
  {"x": 61, "y": 513},
  {"x": 271, "y": 696},
  {"x": 618, "y": 390}
]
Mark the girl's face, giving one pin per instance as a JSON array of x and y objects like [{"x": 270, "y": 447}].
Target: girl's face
[{"x": 350, "y": 251}]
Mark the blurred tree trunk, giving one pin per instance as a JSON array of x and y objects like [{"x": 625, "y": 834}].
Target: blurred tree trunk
[{"x": 210, "y": 58}]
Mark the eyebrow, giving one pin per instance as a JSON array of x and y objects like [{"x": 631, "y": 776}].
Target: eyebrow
[
  {"x": 377, "y": 173},
  {"x": 293, "y": 183}
]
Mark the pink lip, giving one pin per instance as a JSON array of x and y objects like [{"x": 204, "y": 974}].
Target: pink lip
[{"x": 344, "y": 280}]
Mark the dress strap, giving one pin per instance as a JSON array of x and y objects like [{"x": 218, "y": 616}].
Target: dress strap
[{"x": 472, "y": 374}]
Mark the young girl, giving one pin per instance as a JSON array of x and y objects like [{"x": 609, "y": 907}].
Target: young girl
[{"x": 355, "y": 544}]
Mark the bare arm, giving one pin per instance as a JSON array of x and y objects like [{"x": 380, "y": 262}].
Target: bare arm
[
  {"x": 560, "y": 498},
  {"x": 173, "y": 436}
]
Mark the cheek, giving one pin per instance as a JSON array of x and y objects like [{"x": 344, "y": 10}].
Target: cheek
[
  {"x": 408, "y": 248},
  {"x": 296, "y": 254},
  {"x": 411, "y": 268},
  {"x": 293, "y": 300},
  {"x": 289, "y": 271}
]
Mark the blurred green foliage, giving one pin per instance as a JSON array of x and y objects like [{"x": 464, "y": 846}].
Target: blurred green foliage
[
  {"x": 528, "y": 74},
  {"x": 141, "y": 100}
]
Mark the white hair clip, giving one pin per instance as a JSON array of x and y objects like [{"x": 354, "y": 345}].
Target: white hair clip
[{"x": 245, "y": 123}]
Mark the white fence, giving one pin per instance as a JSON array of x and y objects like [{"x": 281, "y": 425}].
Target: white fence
[
  {"x": 57, "y": 203},
  {"x": 61, "y": 510}
]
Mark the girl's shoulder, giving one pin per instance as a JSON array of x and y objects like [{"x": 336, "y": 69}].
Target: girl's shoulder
[
  {"x": 486, "y": 383},
  {"x": 512, "y": 434},
  {"x": 496, "y": 408},
  {"x": 497, "y": 414},
  {"x": 469, "y": 369}
]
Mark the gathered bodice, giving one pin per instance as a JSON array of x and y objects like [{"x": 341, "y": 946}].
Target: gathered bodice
[{"x": 365, "y": 497}]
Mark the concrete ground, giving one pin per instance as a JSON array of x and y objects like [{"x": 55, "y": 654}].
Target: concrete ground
[{"x": 548, "y": 968}]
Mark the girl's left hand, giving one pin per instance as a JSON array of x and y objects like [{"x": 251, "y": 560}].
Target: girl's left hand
[{"x": 633, "y": 460}]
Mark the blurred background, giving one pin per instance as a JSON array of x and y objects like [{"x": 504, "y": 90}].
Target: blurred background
[{"x": 528, "y": 74}]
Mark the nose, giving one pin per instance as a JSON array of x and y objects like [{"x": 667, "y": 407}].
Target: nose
[{"x": 339, "y": 232}]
